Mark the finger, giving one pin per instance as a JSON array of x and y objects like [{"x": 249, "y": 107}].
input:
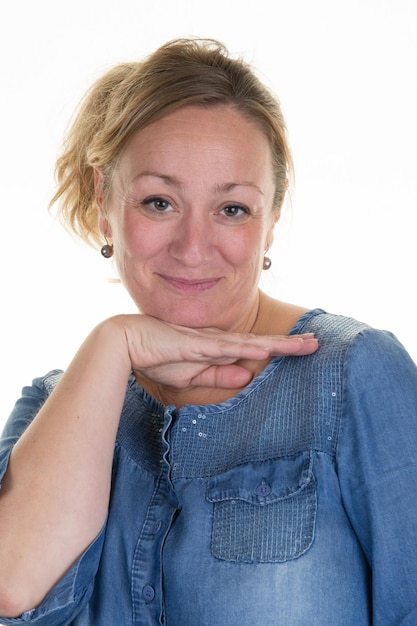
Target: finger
[
  {"x": 252, "y": 347},
  {"x": 305, "y": 346},
  {"x": 223, "y": 376}
]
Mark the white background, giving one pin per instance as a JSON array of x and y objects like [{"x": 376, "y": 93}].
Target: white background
[{"x": 345, "y": 72}]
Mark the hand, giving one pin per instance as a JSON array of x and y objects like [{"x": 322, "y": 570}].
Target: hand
[{"x": 183, "y": 357}]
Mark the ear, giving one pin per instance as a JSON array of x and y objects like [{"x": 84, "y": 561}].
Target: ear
[
  {"x": 270, "y": 234},
  {"x": 103, "y": 222},
  {"x": 99, "y": 188}
]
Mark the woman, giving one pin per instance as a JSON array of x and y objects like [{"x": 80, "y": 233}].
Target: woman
[{"x": 204, "y": 461}]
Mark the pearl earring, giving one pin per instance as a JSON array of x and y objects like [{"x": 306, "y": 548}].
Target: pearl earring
[
  {"x": 267, "y": 263},
  {"x": 107, "y": 250}
]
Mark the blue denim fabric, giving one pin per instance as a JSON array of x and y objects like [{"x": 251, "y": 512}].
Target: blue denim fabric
[{"x": 293, "y": 503}]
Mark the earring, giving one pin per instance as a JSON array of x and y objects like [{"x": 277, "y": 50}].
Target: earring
[
  {"x": 267, "y": 263},
  {"x": 107, "y": 250}
]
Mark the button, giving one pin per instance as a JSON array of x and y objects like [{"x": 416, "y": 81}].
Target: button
[
  {"x": 263, "y": 490},
  {"x": 148, "y": 593}
]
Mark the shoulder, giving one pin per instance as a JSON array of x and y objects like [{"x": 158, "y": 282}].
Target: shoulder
[
  {"x": 27, "y": 406},
  {"x": 329, "y": 326},
  {"x": 335, "y": 333},
  {"x": 43, "y": 385},
  {"x": 359, "y": 337},
  {"x": 285, "y": 318},
  {"x": 360, "y": 351},
  {"x": 372, "y": 366}
]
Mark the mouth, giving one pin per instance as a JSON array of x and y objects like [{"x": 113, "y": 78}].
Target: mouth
[{"x": 190, "y": 286}]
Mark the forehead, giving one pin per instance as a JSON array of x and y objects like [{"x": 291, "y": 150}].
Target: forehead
[{"x": 218, "y": 137}]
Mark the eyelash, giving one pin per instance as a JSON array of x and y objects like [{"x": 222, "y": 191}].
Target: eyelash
[
  {"x": 236, "y": 206},
  {"x": 152, "y": 201}
]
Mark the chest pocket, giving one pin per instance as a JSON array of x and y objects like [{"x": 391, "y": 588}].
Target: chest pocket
[{"x": 264, "y": 512}]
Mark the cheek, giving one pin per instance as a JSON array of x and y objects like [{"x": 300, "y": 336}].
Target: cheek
[
  {"x": 245, "y": 250},
  {"x": 140, "y": 240}
]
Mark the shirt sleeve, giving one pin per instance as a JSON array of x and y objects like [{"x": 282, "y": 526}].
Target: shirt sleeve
[
  {"x": 377, "y": 467},
  {"x": 72, "y": 592}
]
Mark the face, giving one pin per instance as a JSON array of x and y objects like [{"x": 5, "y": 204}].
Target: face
[{"x": 190, "y": 215}]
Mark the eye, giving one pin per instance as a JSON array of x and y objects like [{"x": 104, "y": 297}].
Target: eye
[
  {"x": 235, "y": 210},
  {"x": 157, "y": 204}
]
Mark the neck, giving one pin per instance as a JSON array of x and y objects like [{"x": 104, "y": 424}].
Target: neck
[{"x": 195, "y": 395}]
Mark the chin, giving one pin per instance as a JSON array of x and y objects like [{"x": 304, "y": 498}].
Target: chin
[
  {"x": 192, "y": 321},
  {"x": 189, "y": 316}
]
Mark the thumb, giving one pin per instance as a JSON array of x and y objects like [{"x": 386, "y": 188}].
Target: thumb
[{"x": 223, "y": 376}]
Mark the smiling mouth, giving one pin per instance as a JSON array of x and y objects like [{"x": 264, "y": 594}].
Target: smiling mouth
[{"x": 190, "y": 286}]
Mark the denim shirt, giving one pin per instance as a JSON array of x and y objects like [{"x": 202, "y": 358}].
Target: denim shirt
[{"x": 293, "y": 503}]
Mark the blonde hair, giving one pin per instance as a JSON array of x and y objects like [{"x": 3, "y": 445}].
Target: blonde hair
[{"x": 131, "y": 96}]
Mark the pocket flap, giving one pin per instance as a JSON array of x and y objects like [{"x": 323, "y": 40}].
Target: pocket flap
[{"x": 263, "y": 483}]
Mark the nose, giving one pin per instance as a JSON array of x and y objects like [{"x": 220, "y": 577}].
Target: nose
[{"x": 191, "y": 241}]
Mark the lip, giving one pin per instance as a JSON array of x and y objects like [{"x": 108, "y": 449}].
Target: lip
[{"x": 190, "y": 285}]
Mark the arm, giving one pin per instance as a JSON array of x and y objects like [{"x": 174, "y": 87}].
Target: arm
[
  {"x": 55, "y": 494},
  {"x": 377, "y": 466}
]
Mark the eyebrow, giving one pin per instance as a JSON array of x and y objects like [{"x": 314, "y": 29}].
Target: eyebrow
[
  {"x": 170, "y": 180},
  {"x": 175, "y": 182},
  {"x": 230, "y": 186}
]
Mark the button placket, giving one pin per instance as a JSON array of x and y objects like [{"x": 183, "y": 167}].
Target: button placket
[{"x": 147, "y": 563}]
